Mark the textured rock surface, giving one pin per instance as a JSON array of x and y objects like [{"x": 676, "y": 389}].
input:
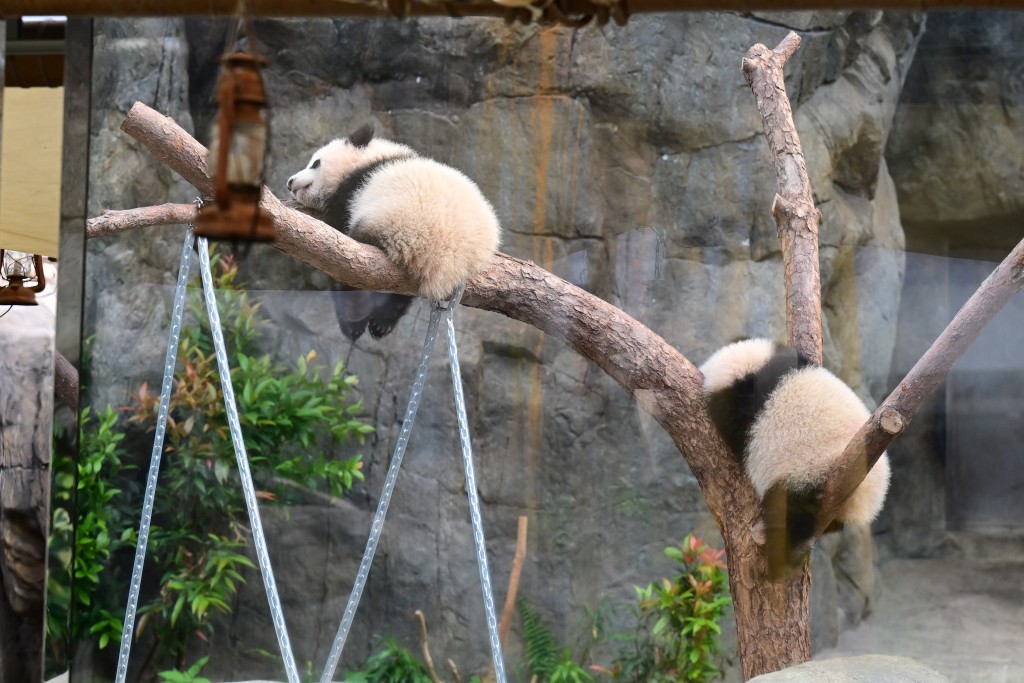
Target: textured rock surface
[
  {"x": 956, "y": 140},
  {"x": 26, "y": 404},
  {"x": 649, "y": 186},
  {"x": 863, "y": 669}
]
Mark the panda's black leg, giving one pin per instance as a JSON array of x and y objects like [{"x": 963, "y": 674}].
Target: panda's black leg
[{"x": 789, "y": 519}]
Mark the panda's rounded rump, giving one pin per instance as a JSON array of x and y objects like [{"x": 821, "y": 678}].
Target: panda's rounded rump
[{"x": 429, "y": 217}]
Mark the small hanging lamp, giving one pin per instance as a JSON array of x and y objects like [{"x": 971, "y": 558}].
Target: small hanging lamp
[
  {"x": 237, "y": 159},
  {"x": 24, "y": 275}
]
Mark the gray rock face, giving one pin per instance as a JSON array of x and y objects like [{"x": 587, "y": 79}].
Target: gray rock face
[
  {"x": 26, "y": 404},
  {"x": 955, "y": 146},
  {"x": 863, "y": 669},
  {"x": 629, "y": 161}
]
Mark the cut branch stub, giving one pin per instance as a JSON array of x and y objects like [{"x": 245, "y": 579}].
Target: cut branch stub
[{"x": 796, "y": 217}]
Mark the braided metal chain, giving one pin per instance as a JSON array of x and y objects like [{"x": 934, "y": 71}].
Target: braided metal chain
[
  {"x": 248, "y": 489},
  {"x": 170, "y": 358},
  {"x": 385, "y": 497},
  {"x": 474, "y": 504}
]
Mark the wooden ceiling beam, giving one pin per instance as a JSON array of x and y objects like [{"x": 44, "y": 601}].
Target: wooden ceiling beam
[{"x": 381, "y": 8}]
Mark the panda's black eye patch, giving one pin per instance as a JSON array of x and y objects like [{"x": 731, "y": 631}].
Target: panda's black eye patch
[{"x": 315, "y": 165}]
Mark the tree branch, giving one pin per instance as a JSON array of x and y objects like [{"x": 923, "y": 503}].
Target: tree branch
[
  {"x": 893, "y": 416},
  {"x": 112, "y": 222},
  {"x": 796, "y": 217},
  {"x": 513, "y": 580},
  {"x": 184, "y": 155},
  {"x": 663, "y": 381},
  {"x": 425, "y": 647}
]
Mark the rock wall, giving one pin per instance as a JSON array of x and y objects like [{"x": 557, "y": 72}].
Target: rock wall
[
  {"x": 630, "y": 161},
  {"x": 26, "y": 404}
]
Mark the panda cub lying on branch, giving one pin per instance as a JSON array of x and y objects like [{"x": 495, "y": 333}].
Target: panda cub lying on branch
[
  {"x": 428, "y": 218},
  {"x": 789, "y": 421}
]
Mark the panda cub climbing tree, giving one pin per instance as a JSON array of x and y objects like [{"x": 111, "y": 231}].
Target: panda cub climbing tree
[
  {"x": 428, "y": 218},
  {"x": 789, "y": 421}
]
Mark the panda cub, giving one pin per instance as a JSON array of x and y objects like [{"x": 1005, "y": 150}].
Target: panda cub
[
  {"x": 428, "y": 218},
  {"x": 789, "y": 420}
]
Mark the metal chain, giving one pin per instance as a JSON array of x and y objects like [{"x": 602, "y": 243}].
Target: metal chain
[
  {"x": 170, "y": 358},
  {"x": 334, "y": 657},
  {"x": 474, "y": 502},
  {"x": 262, "y": 556}
]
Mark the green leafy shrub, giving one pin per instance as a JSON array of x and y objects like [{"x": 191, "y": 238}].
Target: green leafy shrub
[
  {"x": 677, "y": 634},
  {"x": 391, "y": 664},
  {"x": 190, "y": 675},
  {"x": 293, "y": 422},
  {"x": 104, "y": 526}
]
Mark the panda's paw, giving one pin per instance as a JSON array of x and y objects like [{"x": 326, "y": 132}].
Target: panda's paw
[{"x": 758, "y": 532}]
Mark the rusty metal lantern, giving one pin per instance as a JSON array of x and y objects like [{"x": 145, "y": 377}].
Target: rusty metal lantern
[
  {"x": 237, "y": 159},
  {"x": 25, "y": 278}
]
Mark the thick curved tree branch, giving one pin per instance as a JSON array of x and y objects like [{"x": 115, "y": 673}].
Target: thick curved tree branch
[{"x": 662, "y": 380}]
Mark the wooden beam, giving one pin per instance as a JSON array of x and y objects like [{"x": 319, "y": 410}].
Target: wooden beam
[{"x": 383, "y": 8}]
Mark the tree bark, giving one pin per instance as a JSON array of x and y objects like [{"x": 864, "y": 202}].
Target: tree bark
[
  {"x": 774, "y": 626},
  {"x": 796, "y": 217}
]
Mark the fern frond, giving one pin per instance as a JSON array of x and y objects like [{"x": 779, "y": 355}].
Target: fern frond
[{"x": 541, "y": 648}]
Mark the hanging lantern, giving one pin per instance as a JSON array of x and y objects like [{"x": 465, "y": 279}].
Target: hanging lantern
[
  {"x": 237, "y": 159},
  {"x": 24, "y": 275}
]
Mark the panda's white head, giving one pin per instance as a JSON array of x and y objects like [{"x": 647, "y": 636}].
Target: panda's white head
[{"x": 336, "y": 161}]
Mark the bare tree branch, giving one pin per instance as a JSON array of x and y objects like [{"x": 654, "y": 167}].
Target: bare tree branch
[
  {"x": 796, "y": 217},
  {"x": 513, "y": 580},
  {"x": 113, "y": 222},
  {"x": 893, "y": 416},
  {"x": 187, "y": 157},
  {"x": 425, "y": 647}
]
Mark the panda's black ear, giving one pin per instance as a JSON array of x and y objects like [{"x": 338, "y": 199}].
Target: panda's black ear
[{"x": 362, "y": 137}]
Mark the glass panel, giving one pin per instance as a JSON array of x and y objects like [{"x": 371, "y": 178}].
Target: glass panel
[{"x": 628, "y": 161}]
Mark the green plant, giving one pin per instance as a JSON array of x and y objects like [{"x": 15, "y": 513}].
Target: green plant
[
  {"x": 568, "y": 671},
  {"x": 539, "y": 645},
  {"x": 82, "y": 555},
  {"x": 543, "y": 660},
  {"x": 391, "y": 664},
  {"x": 190, "y": 675},
  {"x": 677, "y": 634},
  {"x": 294, "y": 420}
]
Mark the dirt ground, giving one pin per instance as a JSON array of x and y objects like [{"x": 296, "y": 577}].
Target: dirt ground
[{"x": 962, "y": 617}]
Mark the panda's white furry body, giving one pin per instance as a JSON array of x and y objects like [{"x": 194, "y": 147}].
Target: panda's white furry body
[
  {"x": 428, "y": 218},
  {"x": 789, "y": 421}
]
